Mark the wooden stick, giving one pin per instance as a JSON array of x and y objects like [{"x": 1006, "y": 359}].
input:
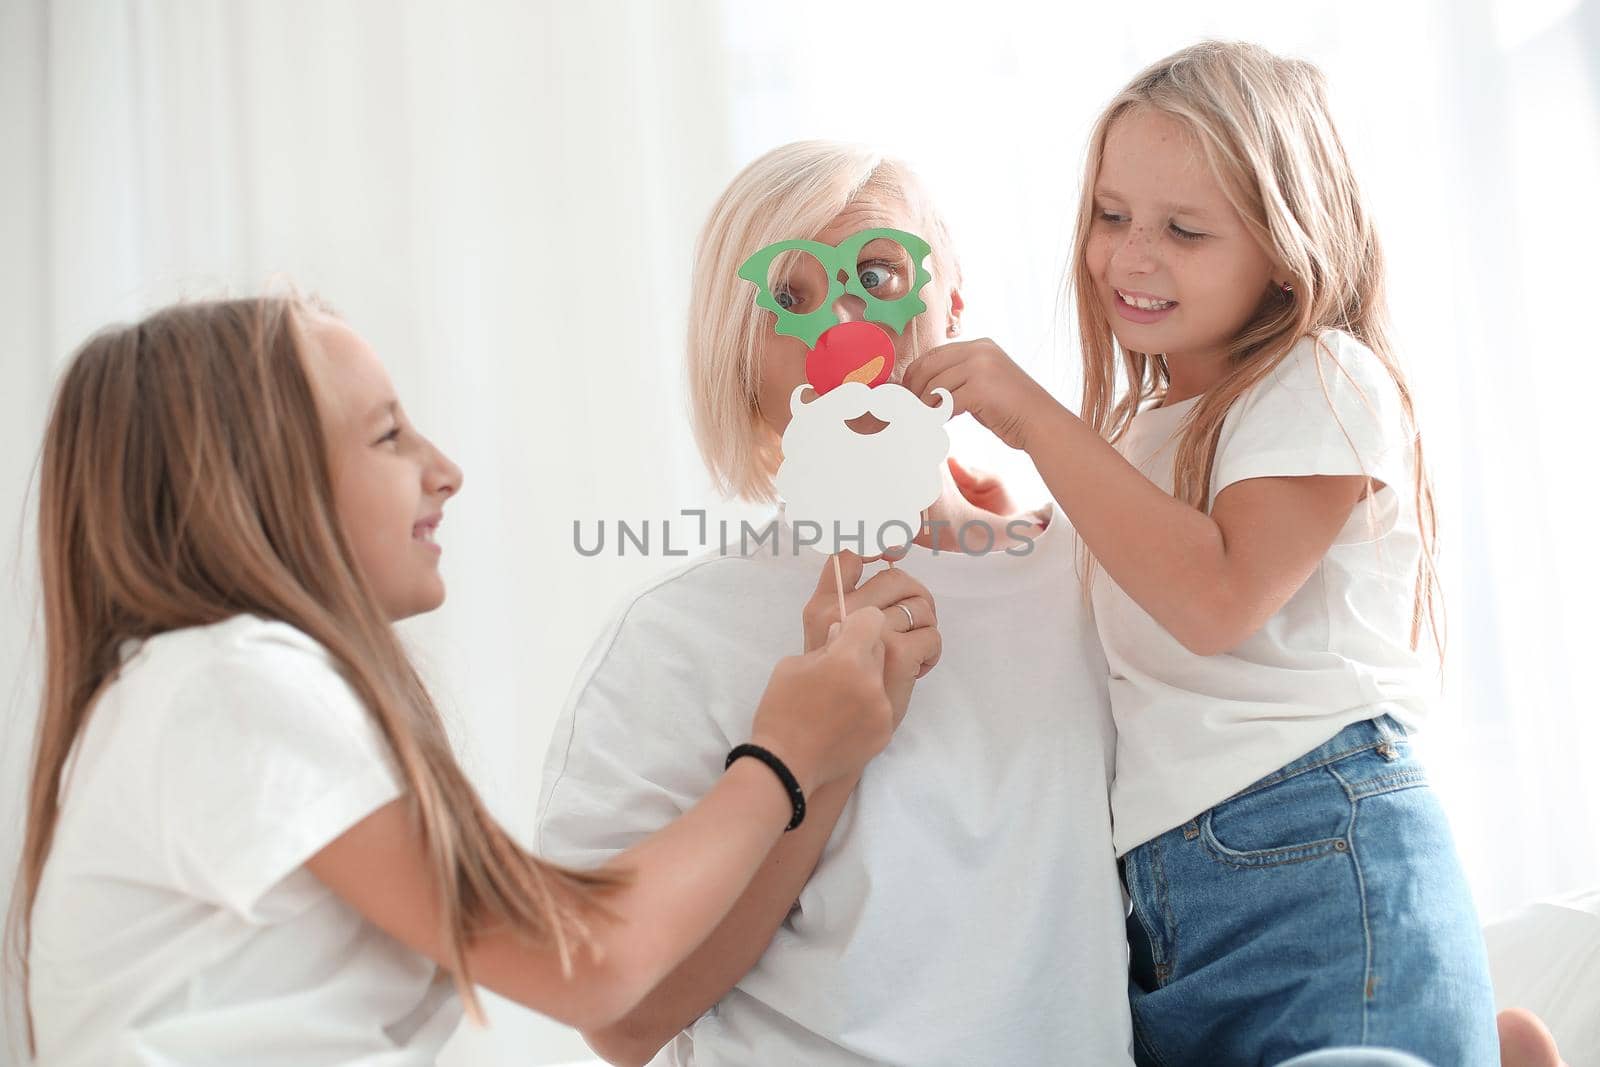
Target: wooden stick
[{"x": 838, "y": 584}]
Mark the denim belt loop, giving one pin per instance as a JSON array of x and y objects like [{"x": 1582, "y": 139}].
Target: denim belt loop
[{"x": 1389, "y": 732}]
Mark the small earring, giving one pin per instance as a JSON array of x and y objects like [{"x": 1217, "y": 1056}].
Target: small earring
[
  {"x": 1286, "y": 289},
  {"x": 952, "y": 329}
]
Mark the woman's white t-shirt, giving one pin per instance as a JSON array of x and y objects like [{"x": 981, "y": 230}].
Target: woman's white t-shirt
[
  {"x": 175, "y": 921},
  {"x": 1193, "y": 730},
  {"x": 966, "y": 909}
]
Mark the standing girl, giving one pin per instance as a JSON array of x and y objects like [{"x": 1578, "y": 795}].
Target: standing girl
[
  {"x": 1261, "y": 534},
  {"x": 248, "y": 840}
]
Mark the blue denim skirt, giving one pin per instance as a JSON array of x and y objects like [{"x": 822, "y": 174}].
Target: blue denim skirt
[{"x": 1323, "y": 906}]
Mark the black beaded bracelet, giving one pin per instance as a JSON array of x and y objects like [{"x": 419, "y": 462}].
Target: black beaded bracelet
[{"x": 796, "y": 796}]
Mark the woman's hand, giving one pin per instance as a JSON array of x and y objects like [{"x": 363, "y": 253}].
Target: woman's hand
[
  {"x": 981, "y": 489},
  {"x": 983, "y": 380},
  {"x": 912, "y": 643},
  {"x": 826, "y": 713}
]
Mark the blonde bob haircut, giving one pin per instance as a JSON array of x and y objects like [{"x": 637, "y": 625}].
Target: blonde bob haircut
[{"x": 794, "y": 191}]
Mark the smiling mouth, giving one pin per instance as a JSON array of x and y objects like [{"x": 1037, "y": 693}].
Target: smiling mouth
[
  {"x": 424, "y": 530},
  {"x": 1143, "y": 301}
]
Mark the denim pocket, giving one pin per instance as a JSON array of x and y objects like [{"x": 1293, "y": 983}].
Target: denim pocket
[
  {"x": 1307, "y": 815},
  {"x": 1303, "y": 817}
]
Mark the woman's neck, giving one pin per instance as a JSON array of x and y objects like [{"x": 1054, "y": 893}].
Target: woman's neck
[{"x": 946, "y": 516}]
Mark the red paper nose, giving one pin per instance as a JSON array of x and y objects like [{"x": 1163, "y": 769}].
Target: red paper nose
[{"x": 850, "y": 351}]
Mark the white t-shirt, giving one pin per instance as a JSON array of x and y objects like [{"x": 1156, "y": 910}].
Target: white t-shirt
[
  {"x": 175, "y": 922},
  {"x": 1192, "y": 730},
  {"x": 966, "y": 909}
]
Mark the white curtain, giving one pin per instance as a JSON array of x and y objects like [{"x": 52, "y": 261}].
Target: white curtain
[{"x": 503, "y": 196}]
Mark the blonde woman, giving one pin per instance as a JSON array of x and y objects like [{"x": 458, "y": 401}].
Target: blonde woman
[
  {"x": 961, "y": 905},
  {"x": 247, "y": 838},
  {"x": 1262, "y": 530}
]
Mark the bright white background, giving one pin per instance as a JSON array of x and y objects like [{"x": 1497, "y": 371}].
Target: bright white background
[{"x": 503, "y": 196}]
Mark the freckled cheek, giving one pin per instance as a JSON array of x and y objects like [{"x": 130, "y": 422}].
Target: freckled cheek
[
  {"x": 1097, "y": 256},
  {"x": 1223, "y": 296},
  {"x": 1199, "y": 274},
  {"x": 1244, "y": 287}
]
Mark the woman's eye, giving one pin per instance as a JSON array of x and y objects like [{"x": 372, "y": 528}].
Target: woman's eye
[
  {"x": 785, "y": 299},
  {"x": 1112, "y": 216},
  {"x": 392, "y": 435},
  {"x": 880, "y": 279},
  {"x": 1183, "y": 234}
]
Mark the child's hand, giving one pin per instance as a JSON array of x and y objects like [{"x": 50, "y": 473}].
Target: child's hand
[
  {"x": 984, "y": 381},
  {"x": 826, "y": 713}
]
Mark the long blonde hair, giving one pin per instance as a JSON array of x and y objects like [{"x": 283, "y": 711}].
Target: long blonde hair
[
  {"x": 185, "y": 480},
  {"x": 794, "y": 190},
  {"x": 1262, "y": 124}
]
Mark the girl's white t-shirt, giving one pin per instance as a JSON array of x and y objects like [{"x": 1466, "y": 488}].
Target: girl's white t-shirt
[
  {"x": 1193, "y": 730},
  {"x": 175, "y": 921}
]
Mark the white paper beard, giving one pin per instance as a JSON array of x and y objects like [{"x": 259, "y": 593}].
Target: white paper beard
[{"x": 865, "y": 492}]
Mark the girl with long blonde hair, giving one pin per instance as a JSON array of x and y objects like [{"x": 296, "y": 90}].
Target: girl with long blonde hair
[
  {"x": 247, "y": 837},
  {"x": 1260, "y": 542}
]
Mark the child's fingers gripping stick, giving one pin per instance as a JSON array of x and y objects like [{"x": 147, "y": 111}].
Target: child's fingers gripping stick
[
  {"x": 860, "y": 634},
  {"x": 826, "y": 712},
  {"x": 860, "y": 642}
]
